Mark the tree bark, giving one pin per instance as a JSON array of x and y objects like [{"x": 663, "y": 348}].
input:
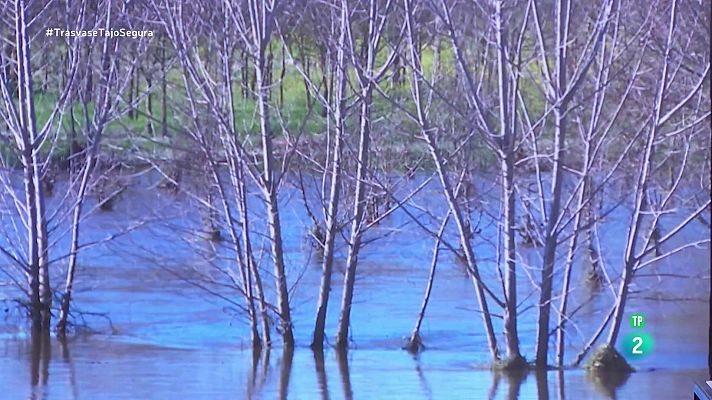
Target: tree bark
[
  {"x": 573, "y": 245},
  {"x": 414, "y": 343},
  {"x": 366, "y": 81},
  {"x": 507, "y": 169},
  {"x": 164, "y": 91},
  {"x": 359, "y": 213},
  {"x": 335, "y": 190},
  {"x": 93, "y": 133},
  {"x": 269, "y": 179},
  {"x": 236, "y": 164},
  {"x": 560, "y": 130},
  {"x": 74, "y": 249},
  {"x": 149, "y": 108},
  {"x": 40, "y": 290}
]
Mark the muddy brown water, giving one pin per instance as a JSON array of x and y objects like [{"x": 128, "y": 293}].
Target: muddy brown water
[{"x": 170, "y": 339}]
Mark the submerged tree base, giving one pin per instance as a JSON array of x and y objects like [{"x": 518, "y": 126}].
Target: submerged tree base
[
  {"x": 414, "y": 344},
  {"x": 608, "y": 360},
  {"x": 608, "y": 370},
  {"x": 516, "y": 363}
]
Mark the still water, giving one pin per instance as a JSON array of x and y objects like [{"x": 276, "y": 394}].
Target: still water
[
  {"x": 161, "y": 335},
  {"x": 105, "y": 368}
]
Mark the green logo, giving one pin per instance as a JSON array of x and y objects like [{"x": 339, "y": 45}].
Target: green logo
[
  {"x": 637, "y": 345},
  {"x": 637, "y": 321}
]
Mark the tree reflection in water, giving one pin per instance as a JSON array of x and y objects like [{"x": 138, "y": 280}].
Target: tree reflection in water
[
  {"x": 90, "y": 367},
  {"x": 40, "y": 355}
]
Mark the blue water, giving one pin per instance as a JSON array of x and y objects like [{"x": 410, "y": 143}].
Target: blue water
[{"x": 169, "y": 338}]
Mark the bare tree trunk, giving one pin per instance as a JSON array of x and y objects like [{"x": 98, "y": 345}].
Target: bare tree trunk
[
  {"x": 74, "y": 250},
  {"x": 94, "y": 133},
  {"x": 462, "y": 225},
  {"x": 631, "y": 260},
  {"x": 366, "y": 78},
  {"x": 359, "y": 213},
  {"x": 164, "y": 91},
  {"x": 149, "y": 108},
  {"x": 264, "y": 14},
  {"x": 242, "y": 261},
  {"x": 282, "y": 74},
  {"x": 40, "y": 290},
  {"x": 249, "y": 271},
  {"x": 268, "y": 77},
  {"x": 507, "y": 169},
  {"x": 550, "y": 245},
  {"x": 510, "y": 311},
  {"x": 252, "y": 264},
  {"x": 73, "y": 143},
  {"x": 245, "y": 74},
  {"x": 325, "y": 78},
  {"x": 560, "y": 130},
  {"x": 270, "y": 193},
  {"x": 307, "y": 76},
  {"x": 560, "y": 90},
  {"x": 335, "y": 190},
  {"x": 236, "y": 164},
  {"x": 132, "y": 82},
  {"x": 415, "y": 343},
  {"x": 584, "y": 216},
  {"x": 33, "y": 278},
  {"x": 472, "y": 266},
  {"x": 573, "y": 244}
]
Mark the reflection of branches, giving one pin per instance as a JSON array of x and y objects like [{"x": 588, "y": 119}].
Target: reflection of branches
[
  {"x": 285, "y": 371},
  {"x": 428, "y": 391},
  {"x": 342, "y": 358},
  {"x": 321, "y": 373}
]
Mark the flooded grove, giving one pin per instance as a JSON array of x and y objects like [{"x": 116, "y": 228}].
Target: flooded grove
[{"x": 153, "y": 326}]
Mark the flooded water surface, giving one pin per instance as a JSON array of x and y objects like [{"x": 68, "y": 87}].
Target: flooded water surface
[
  {"x": 93, "y": 368},
  {"x": 159, "y": 333}
]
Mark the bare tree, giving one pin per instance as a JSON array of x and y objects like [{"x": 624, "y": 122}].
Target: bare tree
[
  {"x": 215, "y": 84},
  {"x": 670, "y": 120},
  {"x": 635, "y": 255},
  {"x": 428, "y": 135},
  {"x": 107, "y": 104},
  {"x": 255, "y": 28},
  {"x": 378, "y": 15},
  {"x": 560, "y": 90},
  {"x": 19, "y": 115},
  {"x": 332, "y": 223},
  {"x": 415, "y": 343}
]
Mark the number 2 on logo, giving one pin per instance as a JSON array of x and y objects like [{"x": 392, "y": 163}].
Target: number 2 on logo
[{"x": 638, "y": 342}]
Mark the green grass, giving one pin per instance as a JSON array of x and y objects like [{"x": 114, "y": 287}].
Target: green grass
[{"x": 393, "y": 130}]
